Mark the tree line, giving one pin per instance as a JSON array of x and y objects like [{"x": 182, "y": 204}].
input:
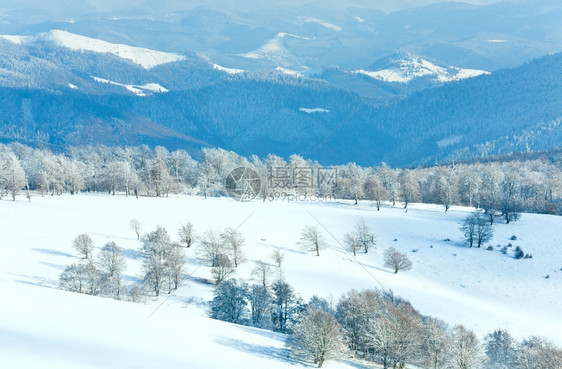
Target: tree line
[{"x": 501, "y": 189}]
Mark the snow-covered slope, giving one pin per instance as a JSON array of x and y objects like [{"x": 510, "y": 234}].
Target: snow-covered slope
[
  {"x": 139, "y": 90},
  {"x": 411, "y": 67},
  {"x": 144, "y": 57},
  {"x": 481, "y": 289}
]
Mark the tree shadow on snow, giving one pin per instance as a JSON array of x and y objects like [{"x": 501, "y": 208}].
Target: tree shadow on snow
[
  {"x": 34, "y": 280},
  {"x": 53, "y": 252},
  {"x": 132, "y": 253},
  {"x": 267, "y": 352}
]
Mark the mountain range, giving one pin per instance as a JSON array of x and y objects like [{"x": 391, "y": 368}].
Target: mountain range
[{"x": 449, "y": 81}]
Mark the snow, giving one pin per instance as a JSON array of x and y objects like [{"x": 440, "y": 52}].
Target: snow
[
  {"x": 43, "y": 326},
  {"x": 413, "y": 67},
  {"x": 18, "y": 40},
  {"x": 449, "y": 141},
  {"x": 289, "y": 72},
  {"x": 146, "y": 58},
  {"x": 273, "y": 49},
  {"x": 313, "y": 110},
  {"x": 227, "y": 70},
  {"x": 323, "y": 23},
  {"x": 139, "y": 90}
]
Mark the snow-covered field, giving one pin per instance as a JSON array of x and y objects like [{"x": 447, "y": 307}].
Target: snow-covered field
[{"x": 43, "y": 326}]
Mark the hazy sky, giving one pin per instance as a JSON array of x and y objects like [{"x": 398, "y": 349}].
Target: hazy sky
[{"x": 64, "y": 6}]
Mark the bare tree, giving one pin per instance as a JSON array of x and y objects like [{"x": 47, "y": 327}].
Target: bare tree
[
  {"x": 234, "y": 242},
  {"x": 262, "y": 272},
  {"x": 84, "y": 245},
  {"x": 175, "y": 262},
  {"x": 187, "y": 234},
  {"x": 476, "y": 229},
  {"x": 211, "y": 244},
  {"x": 350, "y": 243},
  {"x": 363, "y": 235},
  {"x": 278, "y": 258},
  {"x": 135, "y": 226},
  {"x": 222, "y": 268},
  {"x": 396, "y": 260},
  {"x": 311, "y": 239},
  {"x": 319, "y": 336}
]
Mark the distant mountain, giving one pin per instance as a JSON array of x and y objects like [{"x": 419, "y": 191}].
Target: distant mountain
[{"x": 261, "y": 83}]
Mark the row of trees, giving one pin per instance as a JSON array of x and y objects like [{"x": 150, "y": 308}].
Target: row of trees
[
  {"x": 499, "y": 188},
  {"x": 376, "y": 326}
]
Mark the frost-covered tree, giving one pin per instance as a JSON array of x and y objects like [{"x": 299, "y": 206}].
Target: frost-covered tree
[
  {"x": 318, "y": 336},
  {"x": 311, "y": 239},
  {"x": 136, "y": 227},
  {"x": 363, "y": 235},
  {"x": 187, "y": 234},
  {"x": 262, "y": 273},
  {"x": 278, "y": 258},
  {"x": 233, "y": 241},
  {"x": 74, "y": 278},
  {"x": 396, "y": 260},
  {"x": 210, "y": 245},
  {"x": 111, "y": 263},
  {"x": 537, "y": 352},
  {"x": 230, "y": 302},
  {"x": 155, "y": 247},
  {"x": 222, "y": 267},
  {"x": 12, "y": 176},
  {"x": 501, "y": 349},
  {"x": 260, "y": 298},
  {"x": 373, "y": 189},
  {"x": 466, "y": 350},
  {"x": 409, "y": 187},
  {"x": 175, "y": 263},
  {"x": 284, "y": 306},
  {"x": 84, "y": 246},
  {"x": 435, "y": 343}
]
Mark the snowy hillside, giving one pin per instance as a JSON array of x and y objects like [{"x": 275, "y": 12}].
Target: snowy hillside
[
  {"x": 410, "y": 67},
  {"x": 481, "y": 289}
]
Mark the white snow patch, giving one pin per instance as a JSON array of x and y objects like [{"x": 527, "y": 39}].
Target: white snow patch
[
  {"x": 323, "y": 23},
  {"x": 289, "y": 72},
  {"x": 313, "y": 110},
  {"x": 72, "y": 86},
  {"x": 448, "y": 141},
  {"x": 414, "y": 67},
  {"x": 18, "y": 40},
  {"x": 273, "y": 49},
  {"x": 144, "y": 57},
  {"x": 139, "y": 90},
  {"x": 227, "y": 70}
]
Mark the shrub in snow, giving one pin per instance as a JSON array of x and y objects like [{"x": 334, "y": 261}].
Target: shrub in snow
[
  {"x": 513, "y": 238},
  {"x": 490, "y": 248},
  {"x": 519, "y": 254}
]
